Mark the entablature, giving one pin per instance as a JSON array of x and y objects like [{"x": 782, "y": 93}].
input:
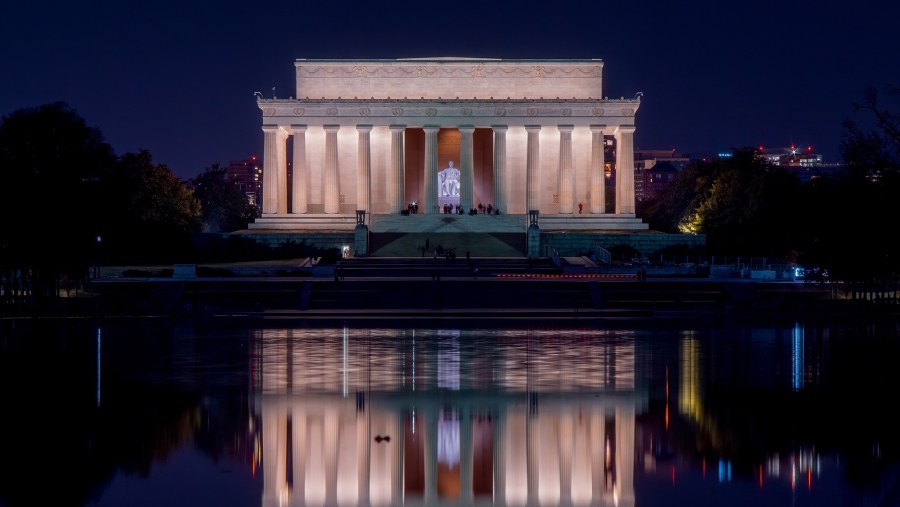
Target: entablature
[{"x": 449, "y": 112}]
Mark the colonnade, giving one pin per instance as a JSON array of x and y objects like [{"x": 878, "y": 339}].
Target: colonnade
[{"x": 275, "y": 196}]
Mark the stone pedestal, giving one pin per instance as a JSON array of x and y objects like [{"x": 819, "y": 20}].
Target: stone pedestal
[
  {"x": 361, "y": 240},
  {"x": 534, "y": 241}
]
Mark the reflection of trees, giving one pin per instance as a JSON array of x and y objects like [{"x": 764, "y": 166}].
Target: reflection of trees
[{"x": 62, "y": 449}]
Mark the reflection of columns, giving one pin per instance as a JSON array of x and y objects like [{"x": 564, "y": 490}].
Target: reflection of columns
[
  {"x": 598, "y": 170},
  {"x": 625, "y": 169},
  {"x": 466, "y": 455},
  {"x": 331, "y": 178},
  {"x": 430, "y": 202},
  {"x": 533, "y": 445},
  {"x": 364, "y": 169},
  {"x": 274, "y": 169},
  {"x": 273, "y": 482},
  {"x": 499, "y": 465},
  {"x": 566, "y": 179},
  {"x": 625, "y": 455},
  {"x": 431, "y": 461},
  {"x": 565, "y": 456},
  {"x": 499, "y": 166},
  {"x": 364, "y": 438},
  {"x": 532, "y": 168},
  {"x": 395, "y": 197},
  {"x": 300, "y": 180},
  {"x": 598, "y": 444},
  {"x": 467, "y": 168},
  {"x": 581, "y": 457},
  {"x": 299, "y": 439},
  {"x": 330, "y": 436}
]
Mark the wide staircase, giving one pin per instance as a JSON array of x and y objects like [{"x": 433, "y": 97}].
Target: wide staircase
[{"x": 420, "y": 235}]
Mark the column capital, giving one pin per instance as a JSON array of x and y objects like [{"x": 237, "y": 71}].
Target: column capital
[
  {"x": 500, "y": 128},
  {"x": 364, "y": 128},
  {"x": 331, "y": 128},
  {"x": 600, "y": 129},
  {"x": 278, "y": 129},
  {"x": 431, "y": 128},
  {"x": 466, "y": 129},
  {"x": 298, "y": 129},
  {"x": 624, "y": 129},
  {"x": 396, "y": 127},
  {"x": 532, "y": 128},
  {"x": 566, "y": 129}
]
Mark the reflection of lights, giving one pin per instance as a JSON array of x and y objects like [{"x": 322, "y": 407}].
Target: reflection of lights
[
  {"x": 797, "y": 359},
  {"x": 724, "y": 471},
  {"x": 98, "y": 364}
]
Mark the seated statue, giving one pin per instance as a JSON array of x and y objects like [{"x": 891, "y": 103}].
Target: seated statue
[{"x": 448, "y": 181}]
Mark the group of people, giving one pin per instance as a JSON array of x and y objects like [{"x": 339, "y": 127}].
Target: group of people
[{"x": 411, "y": 209}]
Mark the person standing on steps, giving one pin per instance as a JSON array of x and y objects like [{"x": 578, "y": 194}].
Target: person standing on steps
[{"x": 580, "y": 207}]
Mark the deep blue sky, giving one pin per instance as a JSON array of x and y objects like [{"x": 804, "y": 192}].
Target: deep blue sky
[{"x": 177, "y": 78}]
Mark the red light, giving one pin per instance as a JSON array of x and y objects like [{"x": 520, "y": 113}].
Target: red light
[
  {"x": 762, "y": 149},
  {"x": 809, "y": 148},
  {"x": 254, "y": 157}
]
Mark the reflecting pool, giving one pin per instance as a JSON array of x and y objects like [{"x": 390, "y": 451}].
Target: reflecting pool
[{"x": 271, "y": 413}]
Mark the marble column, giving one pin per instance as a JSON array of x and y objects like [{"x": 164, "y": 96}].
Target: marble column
[
  {"x": 467, "y": 168},
  {"x": 625, "y": 170},
  {"x": 331, "y": 187},
  {"x": 300, "y": 179},
  {"x": 499, "y": 166},
  {"x": 598, "y": 170},
  {"x": 397, "y": 181},
  {"x": 430, "y": 200},
  {"x": 566, "y": 181},
  {"x": 274, "y": 170},
  {"x": 532, "y": 169},
  {"x": 364, "y": 169}
]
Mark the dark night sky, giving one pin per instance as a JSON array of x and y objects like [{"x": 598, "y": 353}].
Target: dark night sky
[{"x": 177, "y": 78}]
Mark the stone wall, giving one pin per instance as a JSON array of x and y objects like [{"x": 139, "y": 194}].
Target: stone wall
[{"x": 575, "y": 244}]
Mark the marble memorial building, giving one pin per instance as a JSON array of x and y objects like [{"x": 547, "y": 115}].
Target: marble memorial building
[{"x": 379, "y": 137}]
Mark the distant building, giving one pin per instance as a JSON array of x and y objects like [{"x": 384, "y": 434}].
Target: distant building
[
  {"x": 791, "y": 157},
  {"x": 248, "y": 175},
  {"x": 654, "y": 170}
]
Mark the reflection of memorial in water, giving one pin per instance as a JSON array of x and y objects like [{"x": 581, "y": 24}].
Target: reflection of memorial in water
[{"x": 354, "y": 417}]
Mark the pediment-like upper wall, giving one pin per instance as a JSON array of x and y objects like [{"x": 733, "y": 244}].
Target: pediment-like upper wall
[{"x": 449, "y": 78}]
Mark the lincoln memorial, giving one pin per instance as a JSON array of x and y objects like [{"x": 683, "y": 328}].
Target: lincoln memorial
[{"x": 366, "y": 142}]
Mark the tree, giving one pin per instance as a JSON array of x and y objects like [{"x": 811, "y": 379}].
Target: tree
[
  {"x": 152, "y": 213},
  {"x": 51, "y": 162},
  {"x": 744, "y": 205},
  {"x": 225, "y": 207},
  {"x": 865, "y": 249}
]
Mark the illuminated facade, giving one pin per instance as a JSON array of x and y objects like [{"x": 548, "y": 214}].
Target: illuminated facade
[
  {"x": 374, "y": 135},
  {"x": 342, "y": 426}
]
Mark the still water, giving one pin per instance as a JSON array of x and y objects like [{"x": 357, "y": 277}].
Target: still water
[{"x": 160, "y": 413}]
